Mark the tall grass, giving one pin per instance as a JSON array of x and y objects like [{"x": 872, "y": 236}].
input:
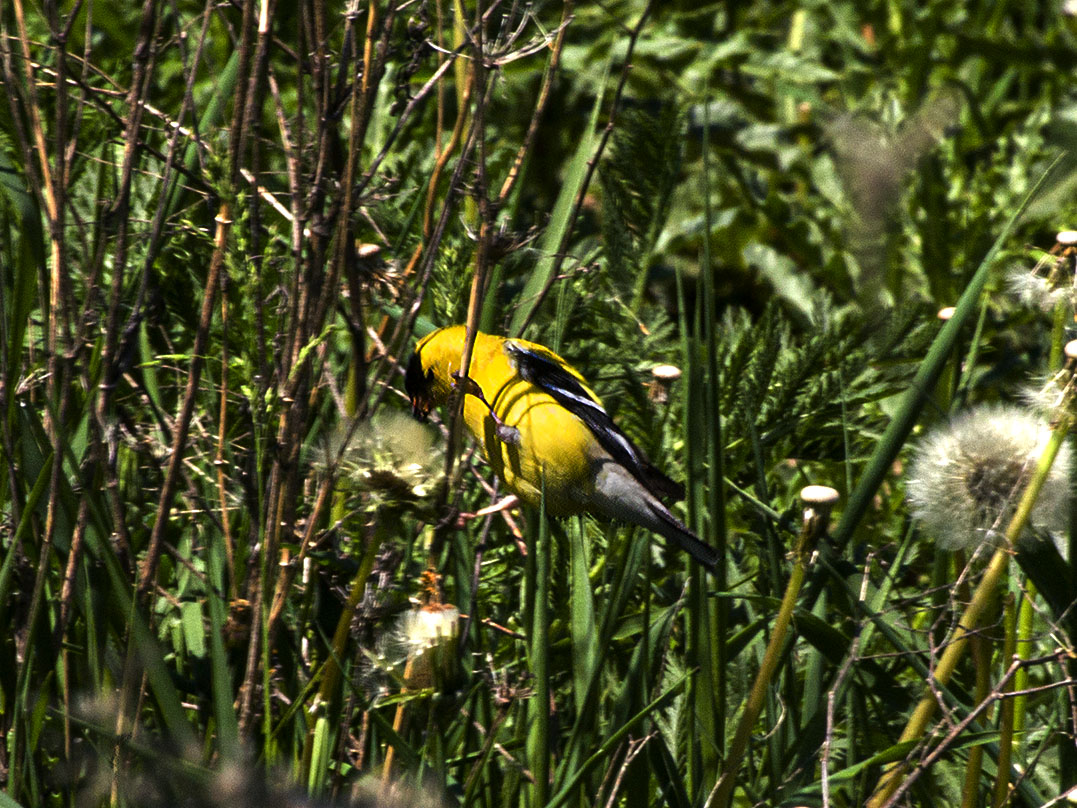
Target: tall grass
[{"x": 221, "y": 228}]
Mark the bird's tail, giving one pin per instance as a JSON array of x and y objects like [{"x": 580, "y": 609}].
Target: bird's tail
[{"x": 688, "y": 541}]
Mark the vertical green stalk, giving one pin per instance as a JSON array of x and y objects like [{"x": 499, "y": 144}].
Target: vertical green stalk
[
  {"x": 331, "y": 672},
  {"x": 224, "y": 711},
  {"x": 981, "y": 657},
  {"x": 1006, "y": 717},
  {"x": 814, "y": 526},
  {"x": 716, "y": 504},
  {"x": 1026, "y": 612},
  {"x": 538, "y": 738},
  {"x": 1062, "y": 313},
  {"x": 702, "y": 719}
]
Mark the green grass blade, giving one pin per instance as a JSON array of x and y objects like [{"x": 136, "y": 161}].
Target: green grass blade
[
  {"x": 538, "y": 739},
  {"x": 223, "y": 696},
  {"x": 584, "y": 650},
  {"x": 560, "y": 219},
  {"x": 612, "y": 741}
]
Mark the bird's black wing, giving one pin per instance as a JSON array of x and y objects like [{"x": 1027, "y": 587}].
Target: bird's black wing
[{"x": 545, "y": 372}]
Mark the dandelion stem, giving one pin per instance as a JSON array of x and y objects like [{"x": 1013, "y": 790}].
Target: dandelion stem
[
  {"x": 398, "y": 728},
  {"x": 981, "y": 662},
  {"x": 1025, "y": 615},
  {"x": 814, "y": 525}
]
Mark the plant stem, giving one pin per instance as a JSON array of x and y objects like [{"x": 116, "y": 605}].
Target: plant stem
[
  {"x": 723, "y": 791},
  {"x": 1005, "y": 729},
  {"x": 538, "y": 741}
]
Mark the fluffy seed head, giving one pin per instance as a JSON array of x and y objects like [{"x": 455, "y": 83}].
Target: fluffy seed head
[
  {"x": 1037, "y": 291},
  {"x": 1051, "y": 396},
  {"x": 392, "y": 458},
  {"x": 427, "y": 637},
  {"x": 966, "y": 478}
]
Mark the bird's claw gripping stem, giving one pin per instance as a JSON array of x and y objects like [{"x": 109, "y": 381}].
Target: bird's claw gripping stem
[{"x": 505, "y": 433}]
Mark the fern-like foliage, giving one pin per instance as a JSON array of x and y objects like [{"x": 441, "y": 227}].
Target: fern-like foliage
[
  {"x": 803, "y": 394},
  {"x": 638, "y": 178}
]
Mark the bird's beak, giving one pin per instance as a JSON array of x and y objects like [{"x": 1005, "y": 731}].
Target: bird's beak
[{"x": 420, "y": 406}]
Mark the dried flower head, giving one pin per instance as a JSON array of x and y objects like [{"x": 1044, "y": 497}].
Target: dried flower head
[
  {"x": 425, "y": 640},
  {"x": 392, "y": 459},
  {"x": 966, "y": 478},
  {"x": 419, "y": 649}
]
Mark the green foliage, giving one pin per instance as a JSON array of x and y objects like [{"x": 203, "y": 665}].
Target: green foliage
[{"x": 215, "y": 506}]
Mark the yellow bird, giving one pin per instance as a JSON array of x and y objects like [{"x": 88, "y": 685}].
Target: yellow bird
[{"x": 536, "y": 419}]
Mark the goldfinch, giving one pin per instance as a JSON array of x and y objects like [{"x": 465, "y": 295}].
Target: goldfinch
[{"x": 536, "y": 420}]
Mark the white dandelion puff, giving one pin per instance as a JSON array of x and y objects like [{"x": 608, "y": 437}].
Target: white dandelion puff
[
  {"x": 1052, "y": 280},
  {"x": 392, "y": 457},
  {"x": 426, "y": 639},
  {"x": 966, "y": 478},
  {"x": 1036, "y": 291},
  {"x": 1051, "y": 396}
]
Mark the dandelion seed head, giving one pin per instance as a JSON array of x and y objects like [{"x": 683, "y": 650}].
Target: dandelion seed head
[
  {"x": 1035, "y": 291},
  {"x": 966, "y": 478},
  {"x": 421, "y": 629},
  {"x": 1049, "y": 395},
  {"x": 392, "y": 458}
]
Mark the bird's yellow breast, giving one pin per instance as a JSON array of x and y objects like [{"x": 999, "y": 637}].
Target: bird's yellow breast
[{"x": 551, "y": 444}]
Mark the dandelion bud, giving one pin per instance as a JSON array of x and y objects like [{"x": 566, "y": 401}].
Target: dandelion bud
[
  {"x": 664, "y": 377},
  {"x": 818, "y": 501},
  {"x": 966, "y": 478}
]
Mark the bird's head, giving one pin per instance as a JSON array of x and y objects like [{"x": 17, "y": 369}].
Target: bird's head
[{"x": 432, "y": 370}]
